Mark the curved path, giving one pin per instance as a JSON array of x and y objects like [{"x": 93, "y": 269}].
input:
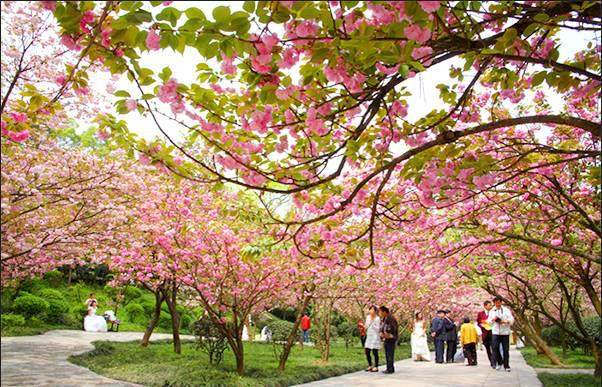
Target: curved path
[
  {"x": 409, "y": 373},
  {"x": 42, "y": 360}
]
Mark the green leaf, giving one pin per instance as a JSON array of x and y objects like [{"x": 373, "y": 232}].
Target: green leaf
[
  {"x": 249, "y": 6},
  {"x": 541, "y": 17},
  {"x": 122, "y": 93},
  {"x": 169, "y": 14},
  {"x": 221, "y": 13},
  {"x": 195, "y": 13}
]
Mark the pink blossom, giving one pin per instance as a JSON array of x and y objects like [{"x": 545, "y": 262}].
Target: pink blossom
[
  {"x": 18, "y": 136},
  {"x": 153, "y": 40},
  {"x": 261, "y": 63},
  {"x": 355, "y": 83},
  {"x": 48, "y": 5},
  {"x": 131, "y": 104},
  {"x": 168, "y": 92},
  {"x": 270, "y": 41},
  {"x": 18, "y": 117},
  {"x": 290, "y": 56},
  {"x": 430, "y": 6},
  {"x": 556, "y": 242},
  {"x": 70, "y": 43},
  {"x": 387, "y": 70},
  {"x": 87, "y": 19},
  {"x": 420, "y": 35},
  {"x": 398, "y": 109},
  {"x": 227, "y": 65},
  {"x": 307, "y": 28},
  {"x": 420, "y": 53}
]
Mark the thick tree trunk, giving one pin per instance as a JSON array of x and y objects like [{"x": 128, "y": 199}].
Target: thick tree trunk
[
  {"x": 154, "y": 320},
  {"x": 597, "y": 352},
  {"x": 239, "y": 353},
  {"x": 540, "y": 345},
  {"x": 290, "y": 340}
]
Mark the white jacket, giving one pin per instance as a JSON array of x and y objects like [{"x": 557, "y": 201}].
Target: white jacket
[
  {"x": 503, "y": 327},
  {"x": 372, "y": 333}
]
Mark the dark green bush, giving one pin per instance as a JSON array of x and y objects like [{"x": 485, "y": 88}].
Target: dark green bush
[
  {"x": 185, "y": 320},
  {"x": 56, "y": 309},
  {"x": 210, "y": 339},
  {"x": 288, "y": 314},
  {"x": 135, "y": 313},
  {"x": 131, "y": 293},
  {"x": 553, "y": 335},
  {"x": 78, "y": 312},
  {"x": 264, "y": 319},
  {"x": 9, "y": 320},
  {"x": 54, "y": 278},
  {"x": 29, "y": 305},
  {"x": 149, "y": 307},
  {"x": 165, "y": 320}
]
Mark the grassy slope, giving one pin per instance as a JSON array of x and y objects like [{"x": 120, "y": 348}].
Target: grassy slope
[
  {"x": 158, "y": 365},
  {"x": 573, "y": 359}
]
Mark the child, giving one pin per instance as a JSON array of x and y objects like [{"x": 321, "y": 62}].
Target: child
[{"x": 469, "y": 338}]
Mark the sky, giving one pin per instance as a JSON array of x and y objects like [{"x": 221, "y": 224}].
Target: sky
[{"x": 424, "y": 95}]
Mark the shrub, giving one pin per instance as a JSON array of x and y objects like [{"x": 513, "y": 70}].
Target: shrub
[
  {"x": 553, "y": 334},
  {"x": 10, "y": 320},
  {"x": 280, "y": 329},
  {"x": 264, "y": 319},
  {"x": 135, "y": 313},
  {"x": 149, "y": 307},
  {"x": 78, "y": 312},
  {"x": 346, "y": 330},
  {"x": 185, "y": 320},
  {"x": 56, "y": 309},
  {"x": 50, "y": 294},
  {"x": 164, "y": 320},
  {"x": 210, "y": 339},
  {"x": 132, "y": 293},
  {"x": 54, "y": 278},
  {"x": 29, "y": 305}
]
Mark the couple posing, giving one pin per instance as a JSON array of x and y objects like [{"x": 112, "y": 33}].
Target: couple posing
[{"x": 380, "y": 329}]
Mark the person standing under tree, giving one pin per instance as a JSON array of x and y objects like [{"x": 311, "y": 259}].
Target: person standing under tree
[
  {"x": 452, "y": 337},
  {"x": 501, "y": 319},
  {"x": 486, "y": 330},
  {"x": 438, "y": 334},
  {"x": 388, "y": 333},
  {"x": 305, "y": 326},
  {"x": 372, "y": 342}
]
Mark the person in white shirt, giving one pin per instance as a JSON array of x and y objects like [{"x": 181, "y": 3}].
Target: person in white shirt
[{"x": 501, "y": 320}]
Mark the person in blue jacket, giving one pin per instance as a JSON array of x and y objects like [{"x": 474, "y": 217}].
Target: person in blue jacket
[{"x": 438, "y": 332}]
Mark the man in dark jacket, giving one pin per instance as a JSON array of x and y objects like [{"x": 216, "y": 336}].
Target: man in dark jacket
[
  {"x": 439, "y": 335},
  {"x": 389, "y": 334},
  {"x": 452, "y": 337}
]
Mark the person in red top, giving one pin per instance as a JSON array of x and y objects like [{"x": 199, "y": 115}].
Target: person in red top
[
  {"x": 362, "y": 328},
  {"x": 486, "y": 330},
  {"x": 305, "y": 325}
]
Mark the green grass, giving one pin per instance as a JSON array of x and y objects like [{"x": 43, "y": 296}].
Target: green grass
[
  {"x": 157, "y": 365},
  {"x": 573, "y": 359},
  {"x": 568, "y": 380}
]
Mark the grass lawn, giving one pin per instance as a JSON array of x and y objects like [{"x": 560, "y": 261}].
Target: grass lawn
[
  {"x": 573, "y": 358},
  {"x": 157, "y": 365},
  {"x": 568, "y": 380}
]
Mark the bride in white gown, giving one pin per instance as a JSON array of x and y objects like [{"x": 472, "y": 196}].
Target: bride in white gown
[
  {"x": 92, "y": 322},
  {"x": 420, "y": 348}
]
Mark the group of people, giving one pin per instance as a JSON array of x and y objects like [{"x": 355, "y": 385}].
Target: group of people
[{"x": 492, "y": 328}]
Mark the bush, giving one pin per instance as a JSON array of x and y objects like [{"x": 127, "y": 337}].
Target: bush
[
  {"x": 50, "y": 294},
  {"x": 164, "y": 320},
  {"x": 29, "y": 305},
  {"x": 210, "y": 339},
  {"x": 10, "y": 320},
  {"x": 280, "y": 329},
  {"x": 346, "y": 331},
  {"x": 54, "y": 278},
  {"x": 149, "y": 307},
  {"x": 56, "y": 309},
  {"x": 135, "y": 313},
  {"x": 264, "y": 319},
  {"x": 185, "y": 320},
  {"x": 78, "y": 312},
  {"x": 553, "y": 335},
  {"x": 132, "y": 293}
]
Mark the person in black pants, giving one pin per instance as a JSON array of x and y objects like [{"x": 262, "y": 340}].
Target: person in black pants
[
  {"x": 439, "y": 335},
  {"x": 389, "y": 334},
  {"x": 501, "y": 319},
  {"x": 452, "y": 337}
]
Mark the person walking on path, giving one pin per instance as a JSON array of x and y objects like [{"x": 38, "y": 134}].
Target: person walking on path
[
  {"x": 486, "y": 330},
  {"x": 469, "y": 338},
  {"x": 372, "y": 343},
  {"x": 388, "y": 332},
  {"x": 451, "y": 337},
  {"x": 420, "y": 348},
  {"x": 439, "y": 335},
  {"x": 501, "y": 320},
  {"x": 305, "y": 326}
]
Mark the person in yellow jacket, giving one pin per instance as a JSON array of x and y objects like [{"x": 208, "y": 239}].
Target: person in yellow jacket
[{"x": 469, "y": 338}]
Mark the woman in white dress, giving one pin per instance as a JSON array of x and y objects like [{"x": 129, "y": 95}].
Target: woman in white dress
[
  {"x": 92, "y": 322},
  {"x": 373, "y": 343},
  {"x": 420, "y": 348}
]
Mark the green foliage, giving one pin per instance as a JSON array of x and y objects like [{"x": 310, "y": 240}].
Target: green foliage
[
  {"x": 210, "y": 339},
  {"x": 553, "y": 335},
  {"x": 50, "y": 294},
  {"x": 164, "y": 320},
  {"x": 288, "y": 313},
  {"x": 54, "y": 278},
  {"x": 280, "y": 329},
  {"x": 30, "y": 305},
  {"x": 56, "y": 309},
  {"x": 135, "y": 313},
  {"x": 11, "y": 320},
  {"x": 574, "y": 358},
  {"x": 568, "y": 380},
  {"x": 132, "y": 293}
]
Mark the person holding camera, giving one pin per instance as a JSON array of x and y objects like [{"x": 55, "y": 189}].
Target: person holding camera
[
  {"x": 501, "y": 320},
  {"x": 388, "y": 333}
]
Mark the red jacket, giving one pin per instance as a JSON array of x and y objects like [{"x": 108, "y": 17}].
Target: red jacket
[
  {"x": 483, "y": 324},
  {"x": 305, "y": 323}
]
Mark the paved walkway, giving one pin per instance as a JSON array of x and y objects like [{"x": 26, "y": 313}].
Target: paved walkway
[
  {"x": 409, "y": 373},
  {"x": 563, "y": 371},
  {"x": 42, "y": 360}
]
